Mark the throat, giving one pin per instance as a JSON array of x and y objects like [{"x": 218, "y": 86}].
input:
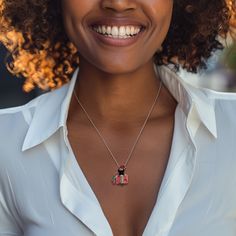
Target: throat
[{"x": 121, "y": 100}]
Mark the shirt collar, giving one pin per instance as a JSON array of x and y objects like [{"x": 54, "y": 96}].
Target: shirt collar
[
  {"x": 52, "y": 108},
  {"x": 194, "y": 101},
  {"x": 50, "y": 114}
]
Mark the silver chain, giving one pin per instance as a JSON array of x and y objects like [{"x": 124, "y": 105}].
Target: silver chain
[{"x": 136, "y": 141}]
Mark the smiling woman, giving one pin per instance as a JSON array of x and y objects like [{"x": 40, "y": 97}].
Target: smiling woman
[
  {"x": 121, "y": 144},
  {"x": 34, "y": 31}
]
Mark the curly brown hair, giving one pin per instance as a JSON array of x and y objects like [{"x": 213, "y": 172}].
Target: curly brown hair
[{"x": 33, "y": 32}]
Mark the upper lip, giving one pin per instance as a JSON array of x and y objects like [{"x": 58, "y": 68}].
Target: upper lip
[{"x": 117, "y": 21}]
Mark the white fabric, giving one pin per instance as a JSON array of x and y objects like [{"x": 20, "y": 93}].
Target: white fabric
[{"x": 43, "y": 191}]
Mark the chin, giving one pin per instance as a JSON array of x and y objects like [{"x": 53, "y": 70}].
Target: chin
[
  {"x": 115, "y": 68},
  {"x": 119, "y": 70}
]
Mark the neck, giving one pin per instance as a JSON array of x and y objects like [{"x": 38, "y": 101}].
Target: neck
[{"x": 124, "y": 98}]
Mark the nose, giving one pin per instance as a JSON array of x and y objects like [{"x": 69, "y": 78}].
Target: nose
[{"x": 119, "y": 5}]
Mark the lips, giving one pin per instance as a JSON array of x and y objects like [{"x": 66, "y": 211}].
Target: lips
[
  {"x": 116, "y": 22},
  {"x": 117, "y": 31}
]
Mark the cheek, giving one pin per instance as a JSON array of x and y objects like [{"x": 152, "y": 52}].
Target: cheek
[
  {"x": 160, "y": 14},
  {"x": 73, "y": 13},
  {"x": 75, "y": 7},
  {"x": 159, "y": 7}
]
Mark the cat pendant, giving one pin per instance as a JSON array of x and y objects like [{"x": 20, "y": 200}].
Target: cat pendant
[{"x": 120, "y": 178}]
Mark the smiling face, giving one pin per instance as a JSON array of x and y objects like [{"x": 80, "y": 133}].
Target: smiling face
[{"x": 117, "y": 36}]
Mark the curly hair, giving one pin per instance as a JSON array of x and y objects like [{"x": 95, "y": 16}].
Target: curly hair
[{"x": 34, "y": 33}]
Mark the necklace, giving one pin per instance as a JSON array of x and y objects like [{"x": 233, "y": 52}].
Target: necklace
[{"x": 120, "y": 177}]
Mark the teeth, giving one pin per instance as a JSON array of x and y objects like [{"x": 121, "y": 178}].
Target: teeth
[
  {"x": 108, "y": 29},
  {"x": 99, "y": 29},
  {"x": 117, "y": 31},
  {"x": 128, "y": 30},
  {"x": 132, "y": 29},
  {"x": 122, "y": 31},
  {"x": 103, "y": 29}
]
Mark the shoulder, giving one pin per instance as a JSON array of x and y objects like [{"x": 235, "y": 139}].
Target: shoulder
[
  {"x": 194, "y": 81},
  {"x": 14, "y": 124},
  {"x": 19, "y": 109},
  {"x": 18, "y": 113},
  {"x": 225, "y": 108},
  {"x": 17, "y": 122},
  {"x": 225, "y": 101},
  {"x": 217, "y": 109},
  {"x": 12, "y": 119}
]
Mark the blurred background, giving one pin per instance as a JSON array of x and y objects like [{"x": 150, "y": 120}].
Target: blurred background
[{"x": 11, "y": 93}]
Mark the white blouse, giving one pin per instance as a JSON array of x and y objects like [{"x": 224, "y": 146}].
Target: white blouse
[{"x": 43, "y": 191}]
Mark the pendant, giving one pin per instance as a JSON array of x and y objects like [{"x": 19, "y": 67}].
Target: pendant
[{"x": 120, "y": 178}]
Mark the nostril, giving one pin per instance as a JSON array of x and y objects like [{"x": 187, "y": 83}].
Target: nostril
[
  {"x": 118, "y": 5},
  {"x": 110, "y": 9},
  {"x": 118, "y": 10}
]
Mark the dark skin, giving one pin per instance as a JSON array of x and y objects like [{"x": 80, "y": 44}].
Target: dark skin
[{"x": 117, "y": 87}]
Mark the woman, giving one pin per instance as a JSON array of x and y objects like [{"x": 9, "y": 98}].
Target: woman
[{"x": 126, "y": 147}]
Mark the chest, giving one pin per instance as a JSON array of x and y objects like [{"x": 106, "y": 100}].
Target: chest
[
  {"x": 127, "y": 208},
  {"x": 205, "y": 207}
]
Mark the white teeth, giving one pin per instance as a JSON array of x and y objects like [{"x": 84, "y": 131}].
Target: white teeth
[
  {"x": 108, "y": 29},
  {"x": 104, "y": 29},
  {"x": 132, "y": 30},
  {"x": 136, "y": 31},
  {"x": 122, "y": 31},
  {"x": 100, "y": 29},
  {"x": 117, "y": 31},
  {"x": 127, "y": 29}
]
